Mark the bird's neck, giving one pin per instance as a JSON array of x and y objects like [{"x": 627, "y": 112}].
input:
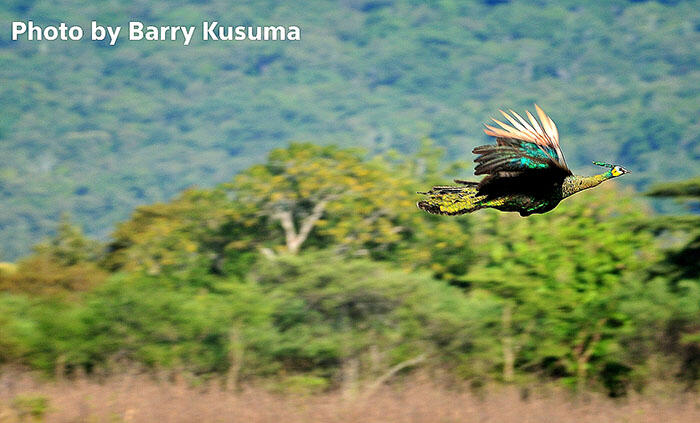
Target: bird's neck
[{"x": 573, "y": 184}]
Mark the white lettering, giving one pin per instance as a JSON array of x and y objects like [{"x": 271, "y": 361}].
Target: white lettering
[
  {"x": 188, "y": 33},
  {"x": 34, "y": 29},
  {"x": 50, "y": 33},
  {"x": 208, "y": 31},
  {"x": 135, "y": 31},
  {"x": 240, "y": 33},
  {"x": 35, "y": 32},
  {"x": 257, "y": 33},
  {"x": 274, "y": 33},
  {"x": 294, "y": 33},
  {"x": 18, "y": 28},
  {"x": 75, "y": 33},
  {"x": 97, "y": 32},
  {"x": 151, "y": 33},
  {"x": 113, "y": 34}
]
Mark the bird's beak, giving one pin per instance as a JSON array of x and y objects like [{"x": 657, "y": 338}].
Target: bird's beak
[{"x": 625, "y": 170}]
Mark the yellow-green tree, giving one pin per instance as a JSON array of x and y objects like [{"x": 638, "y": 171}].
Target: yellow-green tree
[
  {"x": 60, "y": 265},
  {"x": 304, "y": 196},
  {"x": 326, "y": 195},
  {"x": 199, "y": 229}
]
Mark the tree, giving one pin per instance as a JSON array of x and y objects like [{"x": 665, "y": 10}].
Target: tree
[
  {"x": 328, "y": 196},
  {"x": 69, "y": 245},
  {"x": 61, "y": 265},
  {"x": 355, "y": 320},
  {"x": 681, "y": 261},
  {"x": 681, "y": 269},
  {"x": 198, "y": 323},
  {"x": 560, "y": 277},
  {"x": 304, "y": 196},
  {"x": 201, "y": 229}
]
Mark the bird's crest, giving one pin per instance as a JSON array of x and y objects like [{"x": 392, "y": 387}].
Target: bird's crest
[
  {"x": 544, "y": 133},
  {"x": 615, "y": 170}
]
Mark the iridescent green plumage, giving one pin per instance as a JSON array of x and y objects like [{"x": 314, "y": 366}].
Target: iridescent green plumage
[{"x": 526, "y": 172}]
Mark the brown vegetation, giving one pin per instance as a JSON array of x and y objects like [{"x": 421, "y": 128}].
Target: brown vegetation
[{"x": 138, "y": 398}]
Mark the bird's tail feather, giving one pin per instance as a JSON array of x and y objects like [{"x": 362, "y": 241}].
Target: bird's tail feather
[{"x": 452, "y": 200}]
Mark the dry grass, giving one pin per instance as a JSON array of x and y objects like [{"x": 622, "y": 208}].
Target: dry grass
[{"x": 134, "y": 398}]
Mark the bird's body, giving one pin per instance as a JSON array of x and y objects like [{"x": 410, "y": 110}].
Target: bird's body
[{"x": 526, "y": 172}]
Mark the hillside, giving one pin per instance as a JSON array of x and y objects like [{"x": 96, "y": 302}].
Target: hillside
[{"x": 93, "y": 130}]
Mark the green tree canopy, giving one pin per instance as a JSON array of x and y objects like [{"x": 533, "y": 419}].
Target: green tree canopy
[
  {"x": 61, "y": 265},
  {"x": 561, "y": 276}
]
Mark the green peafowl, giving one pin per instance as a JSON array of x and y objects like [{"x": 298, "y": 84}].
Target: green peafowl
[{"x": 526, "y": 172}]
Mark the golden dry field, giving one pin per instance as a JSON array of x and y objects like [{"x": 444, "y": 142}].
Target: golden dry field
[{"x": 138, "y": 398}]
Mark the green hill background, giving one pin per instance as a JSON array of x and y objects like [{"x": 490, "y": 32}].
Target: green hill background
[{"x": 93, "y": 130}]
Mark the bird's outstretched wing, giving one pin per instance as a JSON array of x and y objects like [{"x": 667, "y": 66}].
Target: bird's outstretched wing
[
  {"x": 525, "y": 171},
  {"x": 522, "y": 147}
]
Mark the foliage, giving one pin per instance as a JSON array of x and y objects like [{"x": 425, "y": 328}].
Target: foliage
[
  {"x": 201, "y": 228},
  {"x": 188, "y": 323},
  {"x": 303, "y": 197},
  {"x": 296, "y": 315},
  {"x": 585, "y": 256},
  {"x": 335, "y": 313},
  {"x": 682, "y": 269},
  {"x": 332, "y": 195},
  {"x": 684, "y": 189},
  {"x": 34, "y": 406},
  {"x": 61, "y": 265},
  {"x": 97, "y": 130},
  {"x": 681, "y": 262},
  {"x": 206, "y": 284}
]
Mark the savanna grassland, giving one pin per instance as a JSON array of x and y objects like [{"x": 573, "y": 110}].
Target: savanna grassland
[{"x": 141, "y": 399}]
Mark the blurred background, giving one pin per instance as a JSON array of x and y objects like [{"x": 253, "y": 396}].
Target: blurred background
[{"x": 228, "y": 216}]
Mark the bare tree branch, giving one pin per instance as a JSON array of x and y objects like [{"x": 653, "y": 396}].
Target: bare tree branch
[
  {"x": 290, "y": 233},
  {"x": 391, "y": 372},
  {"x": 294, "y": 239},
  {"x": 267, "y": 252},
  {"x": 308, "y": 223}
]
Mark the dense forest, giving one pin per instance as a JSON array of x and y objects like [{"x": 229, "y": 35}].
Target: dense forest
[
  {"x": 315, "y": 270},
  {"x": 244, "y": 213},
  {"x": 94, "y": 130}
]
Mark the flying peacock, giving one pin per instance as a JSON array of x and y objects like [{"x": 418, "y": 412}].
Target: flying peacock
[{"x": 526, "y": 172}]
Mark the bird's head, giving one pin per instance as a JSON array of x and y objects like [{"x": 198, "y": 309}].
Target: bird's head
[{"x": 615, "y": 170}]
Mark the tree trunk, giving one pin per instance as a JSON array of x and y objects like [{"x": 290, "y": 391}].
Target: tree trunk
[
  {"x": 581, "y": 373},
  {"x": 583, "y": 353},
  {"x": 235, "y": 359},
  {"x": 507, "y": 343},
  {"x": 350, "y": 372},
  {"x": 293, "y": 238}
]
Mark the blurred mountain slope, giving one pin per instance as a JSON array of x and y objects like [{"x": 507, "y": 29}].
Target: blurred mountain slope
[{"x": 95, "y": 130}]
